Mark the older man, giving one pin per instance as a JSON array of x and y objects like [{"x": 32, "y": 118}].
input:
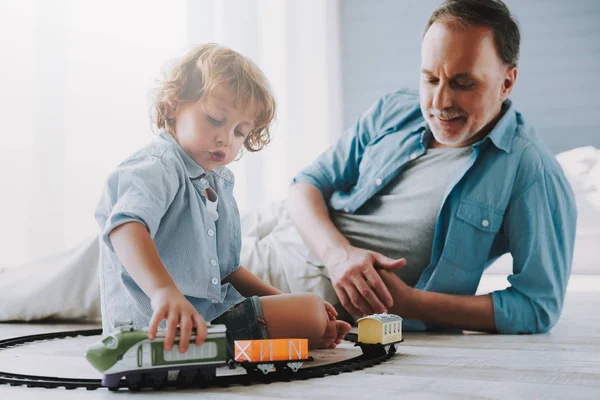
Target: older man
[{"x": 411, "y": 205}]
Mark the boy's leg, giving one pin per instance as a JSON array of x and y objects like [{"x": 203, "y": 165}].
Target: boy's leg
[
  {"x": 302, "y": 315},
  {"x": 244, "y": 321}
]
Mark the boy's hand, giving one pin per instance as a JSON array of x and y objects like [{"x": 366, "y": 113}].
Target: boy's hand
[
  {"x": 169, "y": 304},
  {"x": 331, "y": 311}
]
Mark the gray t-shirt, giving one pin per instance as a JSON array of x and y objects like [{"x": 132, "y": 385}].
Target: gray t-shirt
[{"x": 400, "y": 220}]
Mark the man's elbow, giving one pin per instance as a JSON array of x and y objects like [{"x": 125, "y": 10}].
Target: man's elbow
[
  {"x": 546, "y": 317},
  {"x": 541, "y": 320},
  {"x": 518, "y": 314}
]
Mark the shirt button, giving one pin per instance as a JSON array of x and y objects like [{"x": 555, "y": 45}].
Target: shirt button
[
  {"x": 203, "y": 181},
  {"x": 214, "y": 281},
  {"x": 214, "y": 301},
  {"x": 378, "y": 182},
  {"x": 485, "y": 223},
  {"x": 211, "y": 232},
  {"x": 346, "y": 210},
  {"x": 413, "y": 156},
  {"x": 213, "y": 262}
]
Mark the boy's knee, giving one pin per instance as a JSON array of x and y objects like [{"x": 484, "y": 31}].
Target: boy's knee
[
  {"x": 315, "y": 306},
  {"x": 315, "y": 303}
]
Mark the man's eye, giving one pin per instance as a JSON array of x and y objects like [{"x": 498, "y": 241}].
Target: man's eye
[
  {"x": 464, "y": 85},
  {"x": 432, "y": 80},
  {"x": 214, "y": 121}
]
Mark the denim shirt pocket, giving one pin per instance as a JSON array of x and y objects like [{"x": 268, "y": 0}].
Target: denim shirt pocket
[
  {"x": 367, "y": 170},
  {"x": 471, "y": 234}
]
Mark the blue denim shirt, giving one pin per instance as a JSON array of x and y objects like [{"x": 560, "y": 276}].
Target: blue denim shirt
[
  {"x": 511, "y": 196},
  {"x": 160, "y": 186}
]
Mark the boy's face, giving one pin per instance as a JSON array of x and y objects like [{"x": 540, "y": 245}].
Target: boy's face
[{"x": 212, "y": 130}]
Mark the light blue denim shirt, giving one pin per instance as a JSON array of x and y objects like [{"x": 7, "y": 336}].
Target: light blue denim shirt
[
  {"x": 511, "y": 196},
  {"x": 160, "y": 186}
]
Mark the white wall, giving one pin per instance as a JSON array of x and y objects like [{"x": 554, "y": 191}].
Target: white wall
[{"x": 75, "y": 77}]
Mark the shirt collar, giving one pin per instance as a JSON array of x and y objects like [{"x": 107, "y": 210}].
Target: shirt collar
[
  {"x": 192, "y": 168},
  {"x": 501, "y": 135}
]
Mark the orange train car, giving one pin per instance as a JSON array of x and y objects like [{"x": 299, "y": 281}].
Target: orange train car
[{"x": 270, "y": 350}]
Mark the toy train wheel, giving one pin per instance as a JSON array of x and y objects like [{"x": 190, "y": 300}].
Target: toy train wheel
[
  {"x": 372, "y": 350},
  {"x": 392, "y": 348},
  {"x": 290, "y": 366},
  {"x": 134, "y": 381},
  {"x": 187, "y": 376},
  {"x": 265, "y": 368},
  {"x": 294, "y": 366},
  {"x": 156, "y": 379}
]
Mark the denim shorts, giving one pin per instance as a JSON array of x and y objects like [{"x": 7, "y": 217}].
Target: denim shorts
[{"x": 244, "y": 321}]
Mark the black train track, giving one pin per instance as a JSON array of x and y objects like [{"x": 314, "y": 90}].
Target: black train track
[{"x": 372, "y": 355}]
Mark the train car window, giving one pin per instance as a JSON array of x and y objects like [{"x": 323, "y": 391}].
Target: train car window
[{"x": 207, "y": 350}]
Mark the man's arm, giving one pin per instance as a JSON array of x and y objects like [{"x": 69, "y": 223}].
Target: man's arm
[
  {"x": 540, "y": 229},
  {"x": 358, "y": 286},
  {"x": 309, "y": 213},
  {"x": 473, "y": 313}
]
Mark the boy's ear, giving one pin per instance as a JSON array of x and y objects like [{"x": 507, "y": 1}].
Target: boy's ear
[{"x": 172, "y": 112}]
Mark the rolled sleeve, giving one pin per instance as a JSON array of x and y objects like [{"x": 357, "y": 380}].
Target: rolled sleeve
[
  {"x": 337, "y": 168},
  {"x": 540, "y": 230},
  {"x": 140, "y": 191}
]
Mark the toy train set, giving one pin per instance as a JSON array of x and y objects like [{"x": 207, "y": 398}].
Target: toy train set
[
  {"x": 128, "y": 359},
  {"x": 129, "y": 354}
]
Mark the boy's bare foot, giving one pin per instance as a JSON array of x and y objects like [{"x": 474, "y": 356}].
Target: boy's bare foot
[{"x": 334, "y": 334}]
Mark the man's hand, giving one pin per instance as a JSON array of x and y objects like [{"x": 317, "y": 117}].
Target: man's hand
[
  {"x": 169, "y": 304},
  {"x": 404, "y": 295},
  {"x": 355, "y": 280}
]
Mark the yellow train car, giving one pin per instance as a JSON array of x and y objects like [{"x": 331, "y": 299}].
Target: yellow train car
[
  {"x": 380, "y": 329},
  {"x": 264, "y": 355}
]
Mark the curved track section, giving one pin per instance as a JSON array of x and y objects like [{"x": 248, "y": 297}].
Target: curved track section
[{"x": 371, "y": 356}]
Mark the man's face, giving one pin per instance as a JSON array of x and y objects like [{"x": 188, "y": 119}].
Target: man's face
[{"x": 463, "y": 83}]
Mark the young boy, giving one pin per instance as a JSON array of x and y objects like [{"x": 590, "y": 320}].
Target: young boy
[{"x": 170, "y": 230}]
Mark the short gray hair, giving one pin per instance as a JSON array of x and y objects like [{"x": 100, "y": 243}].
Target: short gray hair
[{"x": 489, "y": 13}]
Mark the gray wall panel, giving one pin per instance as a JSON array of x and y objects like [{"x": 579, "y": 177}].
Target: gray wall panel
[{"x": 558, "y": 89}]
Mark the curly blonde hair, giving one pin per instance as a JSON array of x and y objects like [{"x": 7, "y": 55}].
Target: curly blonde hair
[{"x": 203, "y": 69}]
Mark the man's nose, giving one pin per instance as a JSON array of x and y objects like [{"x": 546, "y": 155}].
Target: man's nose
[{"x": 441, "y": 97}]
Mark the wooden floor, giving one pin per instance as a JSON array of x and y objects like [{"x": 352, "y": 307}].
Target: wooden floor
[{"x": 564, "y": 364}]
